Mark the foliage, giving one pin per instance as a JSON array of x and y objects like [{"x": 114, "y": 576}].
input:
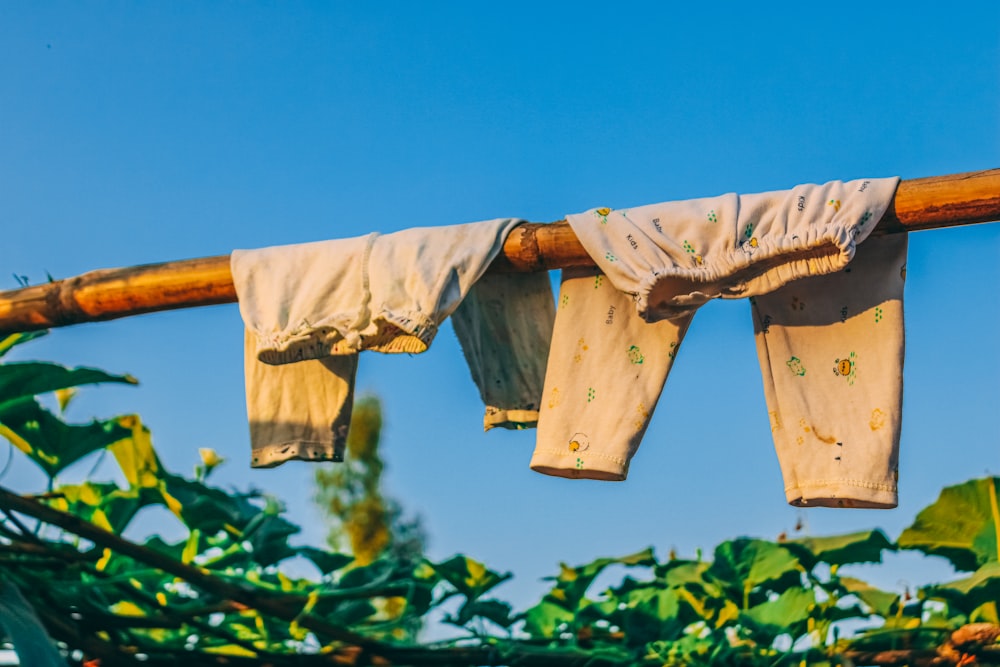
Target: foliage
[
  {"x": 366, "y": 522},
  {"x": 224, "y": 593}
]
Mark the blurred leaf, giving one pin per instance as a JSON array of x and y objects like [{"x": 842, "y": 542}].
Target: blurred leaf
[
  {"x": 960, "y": 526},
  {"x": 31, "y": 642},
  {"x": 787, "y": 613},
  {"x": 742, "y": 565},
  {"x": 492, "y": 610},
  {"x": 572, "y": 582},
  {"x": 135, "y": 454},
  {"x": 101, "y": 503},
  {"x": 30, "y": 378},
  {"x": 326, "y": 561},
  {"x": 545, "y": 618},
  {"x": 966, "y": 594},
  {"x": 862, "y": 547},
  {"x": 8, "y": 342},
  {"x": 881, "y": 602},
  {"x": 471, "y": 578},
  {"x": 48, "y": 440}
]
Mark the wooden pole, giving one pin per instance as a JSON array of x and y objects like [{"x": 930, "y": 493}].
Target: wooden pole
[{"x": 106, "y": 294}]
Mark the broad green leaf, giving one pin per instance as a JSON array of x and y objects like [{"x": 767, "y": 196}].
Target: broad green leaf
[
  {"x": 492, "y": 610},
  {"x": 470, "y": 577},
  {"x": 205, "y": 507},
  {"x": 962, "y": 525},
  {"x": 49, "y": 441},
  {"x": 31, "y": 641},
  {"x": 881, "y": 602},
  {"x": 966, "y": 594},
  {"x": 787, "y": 613},
  {"x": 101, "y": 503},
  {"x": 862, "y": 547},
  {"x": 682, "y": 572},
  {"x": 545, "y": 619},
  {"x": 652, "y": 614},
  {"x": 572, "y": 582},
  {"x": 30, "y": 378},
  {"x": 135, "y": 454},
  {"x": 7, "y": 342},
  {"x": 742, "y": 565},
  {"x": 326, "y": 561}
]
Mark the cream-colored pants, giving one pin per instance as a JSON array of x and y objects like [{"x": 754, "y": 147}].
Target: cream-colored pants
[
  {"x": 793, "y": 251},
  {"x": 310, "y": 308}
]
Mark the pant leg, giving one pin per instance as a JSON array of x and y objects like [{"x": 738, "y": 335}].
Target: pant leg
[
  {"x": 504, "y": 325},
  {"x": 299, "y": 411},
  {"x": 831, "y": 356},
  {"x": 605, "y": 373}
]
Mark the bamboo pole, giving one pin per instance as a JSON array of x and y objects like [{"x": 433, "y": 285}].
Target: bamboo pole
[{"x": 105, "y": 294}]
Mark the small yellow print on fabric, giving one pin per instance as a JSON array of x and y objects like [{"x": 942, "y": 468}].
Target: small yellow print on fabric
[
  {"x": 603, "y": 213},
  {"x": 579, "y": 442},
  {"x": 554, "y": 397},
  {"x": 643, "y": 416},
  {"x": 878, "y": 419},
  {"x": 581, "y": 347},
  {"x": 847, "y": 367},
  {"x": 835, "y": 203},
  {"x": 775, "y": 420}
]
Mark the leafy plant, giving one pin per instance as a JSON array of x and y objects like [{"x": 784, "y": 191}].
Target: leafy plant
[{"x": 222, "y": 593}]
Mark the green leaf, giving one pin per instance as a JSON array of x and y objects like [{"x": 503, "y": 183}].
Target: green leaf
[
  {"x": 101, "y": 503},
  {"x": 49, "y": 441},
  {"x": 470, "y": 577},
  {"x": 881, "y": 602},
  {"x": 13, "y": 339},
  {"x": 787, "y": 613},
  {"x": 492, "y": 610},
  {"x": 743, "y": 565},
  {"x": 960, "y": 526},
  {"x": 545, "y": 619},
  {"x": 966, "y": 594},
  {"x": 572, "y": 582},
  {"x": 326, "y": 561},
  {"x": 862, "y": 547},
  {"x": 205, "y": 507},
  {"x": 25, "y": 379}
]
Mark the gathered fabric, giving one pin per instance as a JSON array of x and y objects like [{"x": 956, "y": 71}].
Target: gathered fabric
[
  {"x": 309, "y": 309},
  {"x": 836, "y": 434}
]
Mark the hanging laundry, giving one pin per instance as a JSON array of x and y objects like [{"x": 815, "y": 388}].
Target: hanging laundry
[
  {"x": 667, "y": 260},
  {"x": 504, "y": 326},
  {"x": 831, "y": 356},
  {"x": 310, "y": 308}
]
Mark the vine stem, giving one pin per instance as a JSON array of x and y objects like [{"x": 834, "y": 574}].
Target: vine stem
[{"x": 996, "y": 512}]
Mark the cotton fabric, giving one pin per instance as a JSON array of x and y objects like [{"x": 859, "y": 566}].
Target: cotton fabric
[
  {"x": 504, "y": 326},
  {"x": 790, "y": 250},
  {"x": 310, "y": 308}
]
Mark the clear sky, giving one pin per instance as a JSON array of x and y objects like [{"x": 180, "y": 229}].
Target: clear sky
[{"x": 146, "y": 132}]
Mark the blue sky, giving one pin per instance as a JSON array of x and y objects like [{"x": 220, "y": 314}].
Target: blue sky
[{"x": 147, "y": 132}]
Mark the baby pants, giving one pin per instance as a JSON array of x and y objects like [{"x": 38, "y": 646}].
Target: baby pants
[
  {"x": 831, "y": 357},
  {"x": 505, "y": 328},
  {"x": 605, "y": 373},
  {"x": 668, "y": 259},
  {"x": 310, "y": 308}
]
